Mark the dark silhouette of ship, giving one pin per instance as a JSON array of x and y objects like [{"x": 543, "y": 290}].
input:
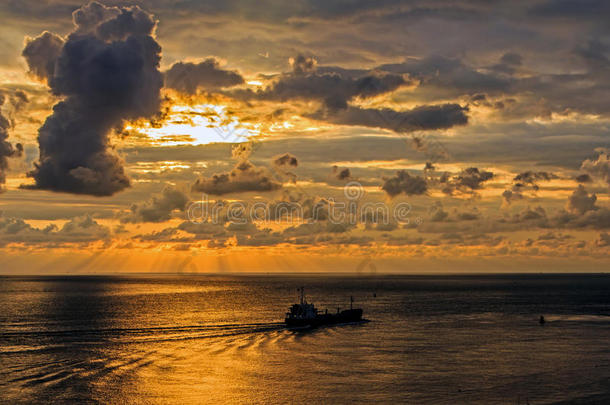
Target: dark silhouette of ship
[{"x": 306, "y": 314}]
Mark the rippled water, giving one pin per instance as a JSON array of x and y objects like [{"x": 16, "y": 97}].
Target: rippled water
[{"x": 214, "y": 339}]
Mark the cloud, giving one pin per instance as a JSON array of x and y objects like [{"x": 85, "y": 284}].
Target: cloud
[
  {"x": 334, "y": 88},
  {"x": 338, "y": 91},
  {"x": 211, "y": 230},
  {"x": 468, "y": 215},
  {"x": 7, "y": 150},
  {"x": 583, "y": 178},
  {"x": 599, "y": 167},
  {"x": 467, "y": 181},
  {"x": 342, "y": 174},
  {"x": 189, "y": 77},
  {"x": 286, "y": 160},
  {"x": 598, "y": 218},
  {"x": 528, "y": 214},
  {"x": 511, "y": 58},
  {"x": 437, "y": 213},
  {"x": 76, "y": 230},
  {"x": 245, "y": 176},
  {"x": 449, "y": 75},
  {"x": 282, "y": 165},
  {"x": 403, "y": 182},
  {"x": 580, "y": 201},
  {"x": 302, "y": 64},
  {"x": 472, "y": 178},
  {"x": 107, "y": 72},
  {"x": 41, "y": 54},
  {"x": 159, "y": 208},
  {"x": 571, "y": 8},
  {"x": 317, "y": 227},
  {"x": 425, "y": 117},
  {"x": 604, "y": 240},
  {"x": 509, "y": 196},
  {"x": 524, "y": 180},
  {"x": 532, "y": 178}
]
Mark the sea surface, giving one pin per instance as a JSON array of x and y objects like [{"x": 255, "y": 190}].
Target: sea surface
[{"x": 220, "y": 339}]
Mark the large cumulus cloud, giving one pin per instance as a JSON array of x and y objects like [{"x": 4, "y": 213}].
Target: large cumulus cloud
[{"x": 107, "y": 72}]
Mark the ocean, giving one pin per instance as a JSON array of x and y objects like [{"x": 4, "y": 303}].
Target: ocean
[{"x": 219, "y": 339}]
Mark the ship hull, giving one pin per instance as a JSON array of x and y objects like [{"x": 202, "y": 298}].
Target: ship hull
[{"x": 349, "y": 315}]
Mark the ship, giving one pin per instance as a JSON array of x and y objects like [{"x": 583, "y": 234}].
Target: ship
[{"x": 305, "y": 314}]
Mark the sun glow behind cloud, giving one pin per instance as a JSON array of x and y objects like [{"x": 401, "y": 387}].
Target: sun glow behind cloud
[{"x": 198, "y": 124}]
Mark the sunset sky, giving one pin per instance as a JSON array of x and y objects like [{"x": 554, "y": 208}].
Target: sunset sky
[{"x": 484, "y": 125}]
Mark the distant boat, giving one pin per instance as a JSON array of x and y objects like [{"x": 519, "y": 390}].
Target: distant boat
[{"x": 306, "y": 314}]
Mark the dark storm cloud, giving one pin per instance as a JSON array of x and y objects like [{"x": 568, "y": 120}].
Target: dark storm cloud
[
  {"x": 404, "y": 183},
  {"x": 107, "y": 72},
  {"x": 159, "y": 208},
  {"x": 7, "y": 149},
  {"x": 188, "y": 77}
]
